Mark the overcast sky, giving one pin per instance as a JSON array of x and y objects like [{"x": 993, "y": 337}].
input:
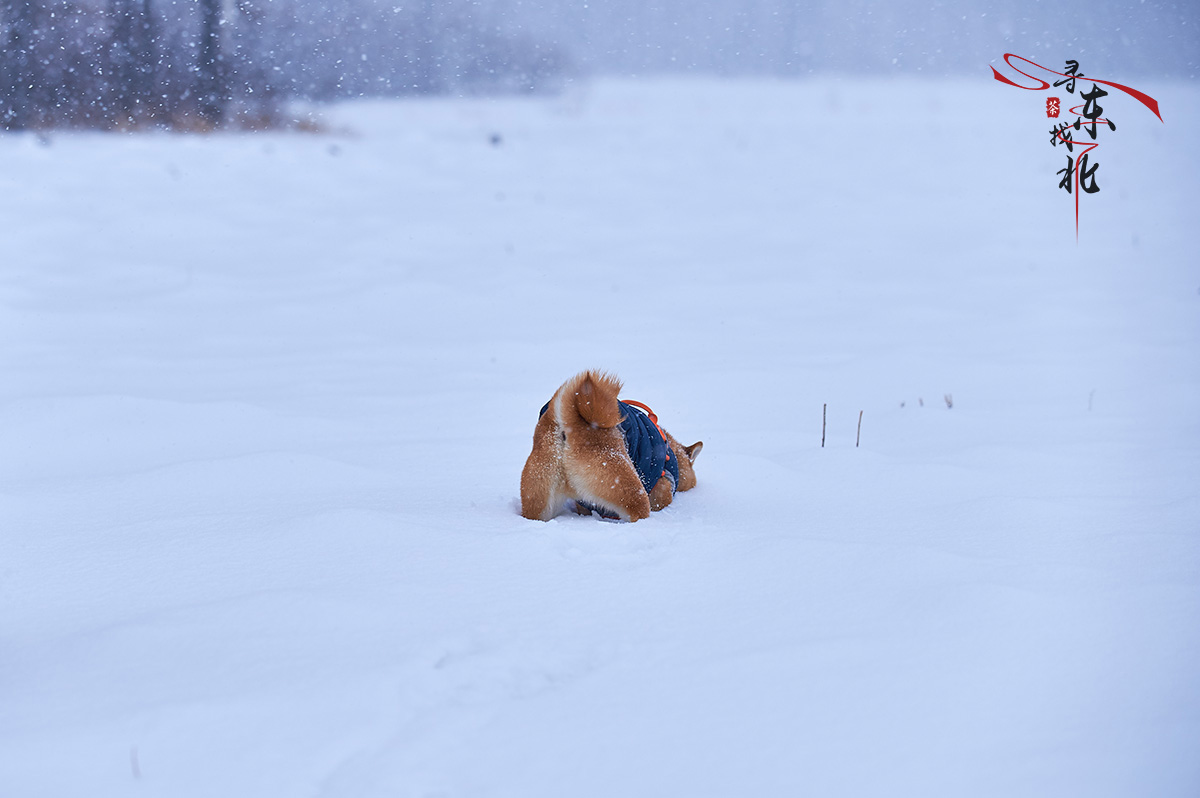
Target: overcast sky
[{"x": 936, "y": 37}]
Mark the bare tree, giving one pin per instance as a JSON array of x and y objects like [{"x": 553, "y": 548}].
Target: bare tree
[
  {"x": 121, "y": 58},
  {"x": 145, "y": 52},
  {"x": 212, "y": 88},
  {"x": 18, "y": 76},
  {"x": 427, "y": 75}
]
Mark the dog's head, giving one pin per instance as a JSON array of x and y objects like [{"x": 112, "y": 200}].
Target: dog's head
[{"x": 686, "y": 455}]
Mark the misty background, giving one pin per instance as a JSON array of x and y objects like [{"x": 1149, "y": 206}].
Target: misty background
[{"x": 204, "y": 63}]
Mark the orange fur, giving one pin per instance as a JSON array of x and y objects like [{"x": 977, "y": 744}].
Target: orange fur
[
  {"x": 596, "y": 400},
  {"x": 579, "y": 455}
]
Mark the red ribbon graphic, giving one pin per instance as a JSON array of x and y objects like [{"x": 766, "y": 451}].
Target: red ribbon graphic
[{"x": 1142, "y": 97}]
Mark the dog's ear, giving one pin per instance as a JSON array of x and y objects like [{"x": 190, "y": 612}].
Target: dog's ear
[{"x": 693, "y": 451}]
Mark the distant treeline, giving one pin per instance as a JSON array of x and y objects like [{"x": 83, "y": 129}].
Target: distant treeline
[{"x": 202, "y": 64}]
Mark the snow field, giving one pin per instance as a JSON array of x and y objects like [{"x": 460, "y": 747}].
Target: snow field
[{"x": 266, "y": 401}]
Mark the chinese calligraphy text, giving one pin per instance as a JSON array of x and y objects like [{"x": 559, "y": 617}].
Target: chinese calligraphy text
[{"x": 1079, "y": 175}]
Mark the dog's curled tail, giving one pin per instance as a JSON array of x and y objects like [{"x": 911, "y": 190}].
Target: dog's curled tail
[{"x": 596, "y": 398}]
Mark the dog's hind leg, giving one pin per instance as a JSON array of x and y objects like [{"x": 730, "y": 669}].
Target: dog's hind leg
[
  {"x": 542, "y": 483},
  {"x": 610, "y": 484}
]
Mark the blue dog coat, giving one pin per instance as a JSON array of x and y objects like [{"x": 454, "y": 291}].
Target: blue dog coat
[
  {"x": 648, "y": 449},
  {"x": 651, "y": 456}
]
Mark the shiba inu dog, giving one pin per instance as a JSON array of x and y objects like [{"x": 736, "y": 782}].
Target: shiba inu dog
[{"x": 603, "y": 454}]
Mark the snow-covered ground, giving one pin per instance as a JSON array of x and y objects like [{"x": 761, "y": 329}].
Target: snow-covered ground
[{"x": 265, "y": 400}]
